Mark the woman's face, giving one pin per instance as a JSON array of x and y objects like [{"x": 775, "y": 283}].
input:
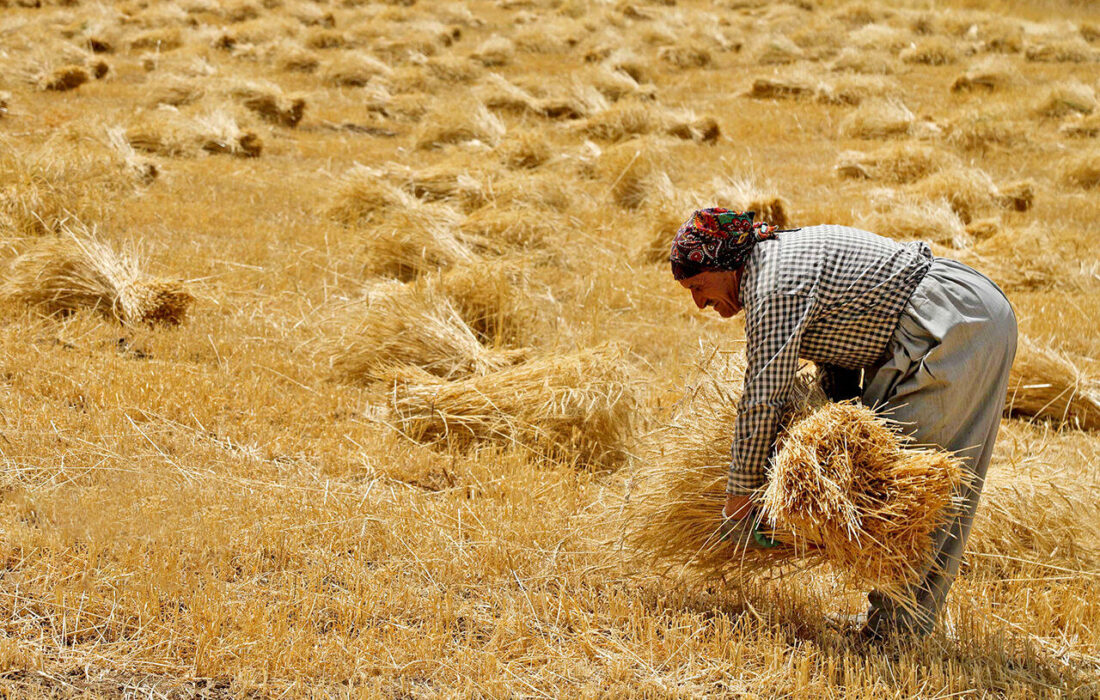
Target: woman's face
[{"x": 718, "y": 288}]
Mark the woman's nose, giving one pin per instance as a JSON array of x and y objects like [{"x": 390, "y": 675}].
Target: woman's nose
[{"x": 698, "y": 299}]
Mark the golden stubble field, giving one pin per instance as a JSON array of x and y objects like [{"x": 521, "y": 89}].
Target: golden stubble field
[{"x": 374, "y": 324}]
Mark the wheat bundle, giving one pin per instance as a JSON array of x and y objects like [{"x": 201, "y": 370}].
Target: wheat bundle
[
  {"x": 503, "y": 229},
  {"x": 166, "y": 132},
  {"x": 176, "y": 93},
  {"x": 577, "y": 407},
  {"x": 845, "y": 483},
  {"x": 978, "y": 130},
  {"x": 905, "y": 161},
  {"x": 5, "y": 102},
  {"x": 354, "y": 70},
  {"x": 776, "y": 50},
  {"x": 684, "y": 56},
  {"x": 65, "y": 78},
  {"x": 901, "y": 216},
  {"x": 844, "y": 490},
  {"x": 1047, "y": 384},
  {"x": 1023, "y": 502},
  {"x": 395, "y": 325},
  {"x": 877, "y": 119},
  {"x": 992, "y": 73},
  {"x": 492, "y": 298},
  {"x": 1018, "y": 196},
  {"x": 1073, "y": 50},
  {"x": 269, "y": 103},
  {"x": 455, "y": 182},
  {"x": 854, "y": 89},
  {"x": 623, "y": 121},
  {"x": 1068, "y": 98},
  {"x": 77, "y": 271},
  {"x": 795, "y": 85},
  {"x": 364, "y": 195},
  {"x": 1083, "y": 170},
  {"x": 663, "y": 220},
  {"x": 525, "y": 149},
  {"x": 689, "y": 127},
  {"x": 495, "y": 51},
  {"x": 618, "y": 83},
  {"x": 635, "y": 171},
  {"x": 460, "y": 122},
  {"x": 411, "y": 243},
  {"x": 1085, "y": 127},
  {"x": 931, "y": 51},
  {"x": 866, "y": 62},
  {"x": 969, "y": 191}
]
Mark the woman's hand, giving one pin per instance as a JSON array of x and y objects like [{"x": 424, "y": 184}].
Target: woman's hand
[{"x": 737, "y": 507}]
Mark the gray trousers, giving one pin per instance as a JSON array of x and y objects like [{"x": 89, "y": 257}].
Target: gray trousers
[{"x": 944, "y": 382}]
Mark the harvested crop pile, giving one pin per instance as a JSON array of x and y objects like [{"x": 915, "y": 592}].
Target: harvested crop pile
[
  {"x": 993, "y": 73},
  {"x": 269, "y": 103},
  {"x": 408, "y": 244},
  {"x": 636, "y": 173},
  {"x": 1047, "y": 384},
  {"x": 571, "y": 406},
  {"x": 1083, "y": 170},
  {"x": 906, "y": 161},
  {"x": 166, "y": 132},
  {"x": 877, "y": 119},
  {"x": 845, "y": 483},
  {"x": 844, "y": 490},
  {"x": 72, "y": 272},
  {"x": 460, "y": 122},
  {"x": 65, "y": 78},
  {"x": 396, "y": 326}
]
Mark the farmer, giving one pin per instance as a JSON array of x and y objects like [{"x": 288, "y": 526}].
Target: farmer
[{"x": 927, "y": 341}]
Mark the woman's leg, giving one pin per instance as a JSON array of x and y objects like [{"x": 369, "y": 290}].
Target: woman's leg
[{"x": 945, "y": 384}]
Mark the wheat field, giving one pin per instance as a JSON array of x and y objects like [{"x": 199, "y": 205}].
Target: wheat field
[{"x": 332, "y": 331}]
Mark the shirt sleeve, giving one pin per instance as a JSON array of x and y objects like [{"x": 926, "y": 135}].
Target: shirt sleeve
[{"x": 773, "y": 334}]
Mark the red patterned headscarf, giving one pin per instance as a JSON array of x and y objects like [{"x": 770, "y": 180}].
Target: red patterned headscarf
[{"x": 716, "y": 239}]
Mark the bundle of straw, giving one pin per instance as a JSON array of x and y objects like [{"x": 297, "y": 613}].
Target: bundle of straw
[
  {"x": 844, "y": 490},
  {"x": 576, "y": 407},
  {"x": 845, "y": 483},
  {"x": 62, "y": 275},
  {"x": 397, "y": 326},
  {"x": 1045, "y": 383}
]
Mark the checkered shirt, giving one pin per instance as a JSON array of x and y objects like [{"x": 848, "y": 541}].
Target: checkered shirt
[{"x": 830, "y": 294}]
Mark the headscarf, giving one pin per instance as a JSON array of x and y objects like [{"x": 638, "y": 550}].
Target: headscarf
[{"x": 716, "y": 239}]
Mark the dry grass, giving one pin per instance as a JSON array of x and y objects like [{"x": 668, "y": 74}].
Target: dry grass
[
  {"x": 578, "y": 407},
  {"x": 202, "y": 511},
  {"x": 77, "y": 271}
]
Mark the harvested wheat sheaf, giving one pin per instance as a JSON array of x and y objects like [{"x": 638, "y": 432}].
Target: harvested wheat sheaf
[
  {"x": 845, "y": 483},
  {"x": 1045, "y": 383},
  {"x": 903, "y": 162},
  {"x": 166, "y": 132},
  {"x": 845, "y": 490},
  {"x": 75, "y": 271},
  {"x": 396, "y": 325},
  {"x": 575, "y": 406}
]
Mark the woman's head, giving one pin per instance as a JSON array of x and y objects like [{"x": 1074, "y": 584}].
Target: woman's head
[
  {"x": 715, "y": 239},
  {"x": 709, "y": 253}
]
